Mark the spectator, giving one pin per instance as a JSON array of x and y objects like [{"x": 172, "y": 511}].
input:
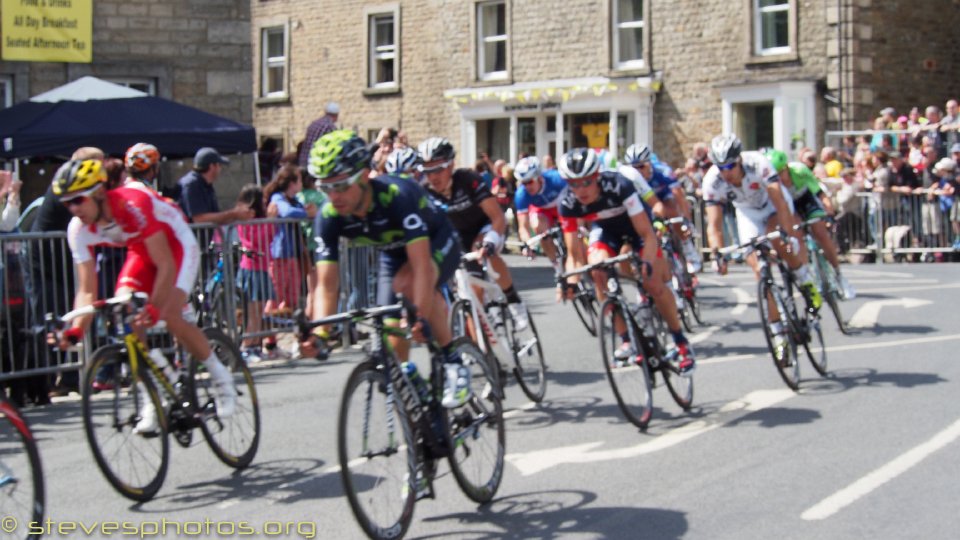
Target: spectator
[
  {"x": 268, "y": 157},
  {"x": 401, "y": 141},
  {"x": 932, "y": 131},
  {"x": 847, "y": 150},
  {"x": 252, "y": 277},
  {"x": 915, "y": 119},
  {"x": 287, "y": 247},
  {"x": 850, "y": 218},
  {"x": 947, "y": 170},
  {"x": 903, "y": 139},
  {"x": 877, "y": 141},
  {"x": 950, "y": 125},
  {"x": 198, "y": 199},
  {"x": 504, "y": 186},
  {"x": 925, "y": 196},
  {"x": 547, "y": 163},
  {"x": 385, "y": 140},
  {"x": 888, "y": 115},
  {"x": 831, "y": 165},
  {"x": 9, "y": 201},
  {"x": 915, "y": 156},
  {"x": 291, "y": 158},
  {"x": 318, "y": 128},
  {"x": 310, "y": 195},
  {"x": 881, "y": 181}
]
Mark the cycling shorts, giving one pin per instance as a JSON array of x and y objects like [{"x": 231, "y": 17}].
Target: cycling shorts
[
  {"x": 611, "y": 244},
  {"x": 808, "y": 206},
  {"x": 551, "y": 216},
  {"x": 752, "y": 222},
  {"x": 449, "y": 252},
  {"x": 140, "y": 273}
]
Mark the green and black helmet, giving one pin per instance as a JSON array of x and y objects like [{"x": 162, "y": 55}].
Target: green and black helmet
[{"x": 336, "y": 153}]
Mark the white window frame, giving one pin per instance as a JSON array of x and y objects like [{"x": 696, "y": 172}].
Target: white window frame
[
  {"x": 617, "y": 25},
  {"x": 137, "y": 83},
  {"x": 391, "y": 53},
  {"x": 483, "y": 40},
  {"x": 758, "y": 13},
  {"x": 267, "y": 63},
  {"x": 6, "y": 93}
]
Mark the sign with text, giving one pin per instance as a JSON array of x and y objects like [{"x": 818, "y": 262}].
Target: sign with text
[{"x": 47, "y": 30}]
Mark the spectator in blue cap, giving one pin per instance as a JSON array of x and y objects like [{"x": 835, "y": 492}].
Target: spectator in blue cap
[{"x": 198, "y": 199}]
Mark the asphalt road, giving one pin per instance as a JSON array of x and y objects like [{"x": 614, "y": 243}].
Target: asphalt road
[{"x": 869, "y": 452}]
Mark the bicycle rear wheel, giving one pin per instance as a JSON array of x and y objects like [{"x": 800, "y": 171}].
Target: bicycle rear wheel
[
  {"x": 135, "y": 465},
  {"x": 234, "y": 440},
  {"x": 782, "y": 346},
  {"x": 681, "y": 388},
  {"x": 476, "y": 430},
  {"x": 377, "y": 453},
  {"x": 529, "y": 367},
  {"x": 815, "y": 339},
  {"x": 831, "y": 290},
  {"x": 21, "y": 475},
  {"x": 629, "y": 379},
  {"x": 585, "y": 303},
  {"x": 463, "y": 325}
]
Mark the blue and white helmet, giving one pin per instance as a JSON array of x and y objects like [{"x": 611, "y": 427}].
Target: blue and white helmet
[
  {"x": 578, "y": 163},
  {"x": 402, "y": 160},
  {"x": 527, "y": 169},
  {"x": 637, "y": 154}
]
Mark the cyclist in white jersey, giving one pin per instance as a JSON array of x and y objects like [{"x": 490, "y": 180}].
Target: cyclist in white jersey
[{"x": 749, "y": 181}]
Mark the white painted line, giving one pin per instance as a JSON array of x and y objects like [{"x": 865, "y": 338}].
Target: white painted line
[
  {"x": 850, "y": 494},
  {"x": 884, "y": 290},
  {"x": 848, "y": 270},
  {"x": 530, "y": 463},
  {"x": 869, "y": 313},
  {"x": 743, "y": 301},
  {"x": 702, "y": 335}
]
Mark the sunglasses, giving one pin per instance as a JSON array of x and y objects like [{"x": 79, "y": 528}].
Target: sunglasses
[
  {"x": 434, "y": 169},
  {"x": 728, "y": 166},
  {"x": 76, "y": 201},
  {"x": 642, "y": 165},
  {"x": 340, "y": 186},
  {"x": 581, "y": 184}
]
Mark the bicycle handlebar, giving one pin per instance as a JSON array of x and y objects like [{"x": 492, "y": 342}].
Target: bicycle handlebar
[
  {"x": 753, "y": 242},
  {"x": 535, "y": 240},
  {"x": 601, "y": 264},
  {"x": 138, "y": 299}
]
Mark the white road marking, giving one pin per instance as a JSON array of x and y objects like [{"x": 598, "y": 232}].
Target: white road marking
[
  {"x": 869, "y": 313},
  {"x": 702, "y": 335},
  {"x": 743, "y": 300},
  {"x": 530, "y": 463},
  {"x": 838, "y": 348},
  {"x": 883, "y": 290},
  {"x": 847, "y": 270},
  {"x": 904, "y": 462}
]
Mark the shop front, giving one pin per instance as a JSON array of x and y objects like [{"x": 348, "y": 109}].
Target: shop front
[{"x": 551, "y": 117}]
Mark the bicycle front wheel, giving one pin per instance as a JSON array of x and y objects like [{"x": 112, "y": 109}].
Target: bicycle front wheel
[
  {"x": 476, "y": 431},
  {"x": 630, "y": 377},
  {"x": 21, "y": 476},
  {"x": 377, "y": 452},
  {"x": 528, "y": 365},
  {"x": 233, "y": 440},
  {"x": 782, "y": 346},
  {"x": 585, "y": 304},
  {"x": 831, "y": 291},
  {"x": 134, "y": 464}
]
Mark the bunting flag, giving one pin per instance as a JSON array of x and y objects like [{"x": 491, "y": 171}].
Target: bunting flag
[{"x": 534, "y": 95}]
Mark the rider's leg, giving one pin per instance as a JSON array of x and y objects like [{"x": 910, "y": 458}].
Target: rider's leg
[
  {"x": 822, "y": 236},
  {"x": 541, "y": 223}
]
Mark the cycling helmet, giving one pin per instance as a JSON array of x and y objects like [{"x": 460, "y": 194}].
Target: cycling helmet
[
  {"x": 636, "y": 154},
  {"x": 141, "y": 156},
  {"x": 725, "y": 149},
  {"x": 402, "y": 160},
  {"x": 578, "y": 163},
  {"x": 76, "y": 178},
  {"x": 436, "y": 149},
  {"x": 338, "y": 152},
  {"x": 527, "y": 169},
  {"x": 778, "y": 159}
]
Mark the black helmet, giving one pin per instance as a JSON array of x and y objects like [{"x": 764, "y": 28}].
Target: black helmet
[
  {"x": 578, "y": 163},
  {"x": 436, "y": 149},
  {"x": 725, "y": 149}
]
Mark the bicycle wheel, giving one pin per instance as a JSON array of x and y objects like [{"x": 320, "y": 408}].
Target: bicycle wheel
[
  {"x": 831, "y": 290},
  {"x": 377, "y": 453},
  {"x": 21, "y": 475},
  {"x": 135, "y": 465},
  {"x": 234, "y": 440},
  {"x": 782, "y": 350},
  {"x": 629, "y": 379},
  {"x": 815, "y": 338},
  {"x": 529, "y": 368},
  {"x": 463, "y": 325},
  {"x": 683, "y": 309},
  {"x": 681, "y": 388},
  {"x": 585, "y": 304},
  {"x": 476, "y": 430}
]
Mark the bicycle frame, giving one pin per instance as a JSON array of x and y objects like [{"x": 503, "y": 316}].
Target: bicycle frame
[{"x": 465, "y": 290}]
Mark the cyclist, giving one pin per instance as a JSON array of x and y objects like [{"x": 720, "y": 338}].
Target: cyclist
[
  {"x": 142, "y": 164},
  {"x": 403, "y": 162},
  {"x": 474, "y": 212},
  {"x": 162, "y": 261},
  {"x": 419, "y": 249},
  {"x": 669, "y": 195},
  {"x": 619, "y": 220},
  {"x": 762, "y": 204},
  {"x": 805, "y": 190},
  {"x": 536, "y": 200}
]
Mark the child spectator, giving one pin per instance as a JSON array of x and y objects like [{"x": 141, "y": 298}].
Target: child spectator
[
  {"x": 252, "y": 277},
  {"x": 287, "y": 246}
]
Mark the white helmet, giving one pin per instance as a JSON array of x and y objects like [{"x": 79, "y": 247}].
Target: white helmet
[
  {"x": 527, "y": 169},
  {"x": 578, "y": 163},
  {"x": 636, "y": 154},
  {"x": 725, "y": 149},
  {"x": 402, "y": 160}
]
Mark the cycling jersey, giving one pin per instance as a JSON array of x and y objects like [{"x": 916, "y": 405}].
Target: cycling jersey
[
  {"x": 752, "y": 192},
  {"x": 401, "y": 213},
  {"x": 547, "y": 197},
  {"x": 137, "y": 215},
  {"x": 639, "y": 182},
  {"x": 803, "y": 179},
  {"x": 662, "y": 184},
  {"x": 467, "y": 191},
  {"x": 610, "y": 214}
]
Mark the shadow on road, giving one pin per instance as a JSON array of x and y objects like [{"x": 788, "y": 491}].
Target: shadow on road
[
  {"x": 580, "y": 410},
  {"x": 846, "y": 379},
  {"x": 777, "y": 416},
  {"x": 557, "y": 514}
]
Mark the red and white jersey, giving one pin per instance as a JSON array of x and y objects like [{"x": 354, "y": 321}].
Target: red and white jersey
[
  {"x": 752, "y": 192},
  {"x": 137, "y": 214}
]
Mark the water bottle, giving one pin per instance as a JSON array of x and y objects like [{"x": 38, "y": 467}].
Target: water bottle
[
  {"x": 413, "y": 375},
  {"x": 160, "y": 360}
]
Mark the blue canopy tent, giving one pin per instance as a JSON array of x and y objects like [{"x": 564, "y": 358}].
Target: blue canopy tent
[{"x": 92, "y": 112}]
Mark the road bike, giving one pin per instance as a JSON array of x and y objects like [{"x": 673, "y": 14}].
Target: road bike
[
  {"x": 825, "y": 275},
  {"x": 634, "y": 378},
  {"x": 799, "y": 328},
  {"x": 682, "y": 281},
  {"x": 392, "y": 430},
  {"x": 118, "y": 375},
  {"x": 584, "y": 298},
  {"x": 21, "y": 475},
  {"x": 214, "y": 299},
  {"x": 499, "y": 338}
]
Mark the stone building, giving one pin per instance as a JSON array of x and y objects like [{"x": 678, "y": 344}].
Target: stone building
[
  {"x": 538, "y": 76},
  {"x": 195, "y": 52}
]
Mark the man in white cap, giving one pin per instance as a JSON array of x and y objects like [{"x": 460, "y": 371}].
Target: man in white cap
[{"x": 318, "y": 128}]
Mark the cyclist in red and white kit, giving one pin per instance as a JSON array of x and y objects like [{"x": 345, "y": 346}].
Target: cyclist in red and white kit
[{"x": 162, "y": 261}]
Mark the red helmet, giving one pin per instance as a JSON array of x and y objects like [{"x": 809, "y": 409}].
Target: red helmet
[{"x": 141, "y": 156}]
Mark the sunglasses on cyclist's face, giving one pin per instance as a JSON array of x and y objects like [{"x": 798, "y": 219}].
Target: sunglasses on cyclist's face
[
  {"x": 577, "y": 184},
  {"x": 728, "y": 166},
  {"x": 340, "y": 186},
  {"x": 76, "y": 201},
  {"x": 434, "y": 169},
  {"x": 642, "y": 165}
]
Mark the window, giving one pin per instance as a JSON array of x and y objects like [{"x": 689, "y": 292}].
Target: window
[
  {"x": 6, "y": 91},
  {"x": 628, "y": 34},
  {"x": 492, "y": 40},
  {"x": 146, "y": 85},
  {"x": 273, "y": 62},
  {"x": 383, "y": 57},
  {"x": 771, "y": 27}
]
